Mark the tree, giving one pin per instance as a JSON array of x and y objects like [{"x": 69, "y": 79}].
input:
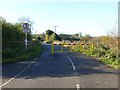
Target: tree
[
  {"x": 20, "y": 30},
  {"x": 39, "y": 38},
  {"x": 49, "y": 32},
  {"x": 24, "y": 19},
  {"x": 42, "y": 36},
  {"x": 48, "y": 35},
  {"x": 47, "y": 38},
  {"x": 2, "y": 20},
  {"x": 87, "y": 37},
  {"x": 76, "y": 35},
  {"x": 80, "y": 34},
  {"x": 53, "y": 37},
  {"x": 114, "y": 35}
]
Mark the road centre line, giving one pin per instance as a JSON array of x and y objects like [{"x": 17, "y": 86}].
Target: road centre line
[
  {"x": 18, "y": 74},
  {"x": 78, "y": 86},
  {"x": 71, "y": 63}
]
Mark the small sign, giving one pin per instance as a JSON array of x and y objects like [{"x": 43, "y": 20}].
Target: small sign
[
  {"x": 26, "y": 31},
  {"x": 26, "y": 26}
]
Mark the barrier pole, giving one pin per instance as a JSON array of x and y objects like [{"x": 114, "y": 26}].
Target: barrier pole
[
  {"x": 62, "y": 47},
  {"x": 71, "y": 47},
  {"x": 92, "y": 47},
  {"x": 52, "y": 48},
  {"x": 80, "y": 47},
  {"x": 75, "y": 47}
]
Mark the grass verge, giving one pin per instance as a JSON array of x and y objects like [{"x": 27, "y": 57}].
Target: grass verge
[
  {"x": 115, "y": 63},
  {"x": 33, "y": 51}
]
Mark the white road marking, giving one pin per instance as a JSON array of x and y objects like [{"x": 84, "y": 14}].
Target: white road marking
[
  {"x": 72, "y": 63},
  {"x": 18, "y": 74},
  {"x": 78, "y": 86}
]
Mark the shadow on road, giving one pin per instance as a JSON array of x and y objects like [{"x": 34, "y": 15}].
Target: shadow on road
[{"x": 57, "y": 65}]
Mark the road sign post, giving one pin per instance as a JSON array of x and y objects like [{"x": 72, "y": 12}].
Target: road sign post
[
  {"x": 26, "y": 40},
  {"x": 26, "y": 29}
]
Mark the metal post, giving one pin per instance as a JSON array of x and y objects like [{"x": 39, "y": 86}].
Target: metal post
[
  {"x": 26, "y": 29},
  {"x": 26, "y": 41},
  {"x": 80, "y": 47},
  {"x": 92, "y": 46},
  {"x": 62, "y": 47},
  {"x": 52, "y": 48},
  {"x": 71, "y": 47}
]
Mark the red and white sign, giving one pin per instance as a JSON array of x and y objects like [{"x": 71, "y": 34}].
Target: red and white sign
[{"x": 26, "y": 26}]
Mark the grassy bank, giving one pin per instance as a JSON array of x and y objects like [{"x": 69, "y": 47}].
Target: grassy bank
[
  {"x": 109, "y": 57},
  {"x": 20, "y": 54}
]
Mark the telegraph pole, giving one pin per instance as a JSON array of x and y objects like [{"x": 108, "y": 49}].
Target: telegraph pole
[{"x": 55, "y": 28}]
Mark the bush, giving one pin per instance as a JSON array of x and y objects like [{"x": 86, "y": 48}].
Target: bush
[
  {"x": 107, "y": 55},
  {"x": 18, "y": 54},
  {"x": 9, "y": 53}
]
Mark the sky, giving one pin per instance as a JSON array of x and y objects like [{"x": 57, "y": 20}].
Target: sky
[{"x": 92, "y": 17}]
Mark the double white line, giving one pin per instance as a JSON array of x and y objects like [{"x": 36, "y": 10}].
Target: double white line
[{"x": 18, "y": 74}]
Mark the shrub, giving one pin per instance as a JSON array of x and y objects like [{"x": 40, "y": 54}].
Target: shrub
[{"x": 18, "y": 54}]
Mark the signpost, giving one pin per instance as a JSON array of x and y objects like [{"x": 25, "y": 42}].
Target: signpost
[{"x": 26, "y": 29}]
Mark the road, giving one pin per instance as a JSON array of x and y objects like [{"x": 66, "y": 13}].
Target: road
[{"x": 61, "y": 70}]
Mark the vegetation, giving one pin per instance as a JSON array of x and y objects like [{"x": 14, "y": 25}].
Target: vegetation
[
  {"x": 70, "y": 38},
  {"x": 13, "y": 45},
  {"x": 104, "y": 53},
  {"x": 19, "y": 53},
  {"x": 106, "y": 49},
  {"x": 51, "y": 36}
]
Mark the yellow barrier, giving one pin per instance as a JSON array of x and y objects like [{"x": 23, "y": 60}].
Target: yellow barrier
[
  {"x": 73, "y": 47},
  {"x": 62, "y": 47},
  {"x": 52, "y": 49},
  {"x": 92, "y": 46}
]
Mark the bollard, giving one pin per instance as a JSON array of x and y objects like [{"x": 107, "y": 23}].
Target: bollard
[
  {"x": 92, "y": 46},
  {"x": 71, "y": 47},
  {"x": 81, "y": 48},
  {"x": 62, "y": 47},
  {"x": 52, "y": 48}
]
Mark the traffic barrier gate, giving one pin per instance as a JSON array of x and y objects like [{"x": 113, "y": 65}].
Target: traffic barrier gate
[{"x": 73, "y": 47}]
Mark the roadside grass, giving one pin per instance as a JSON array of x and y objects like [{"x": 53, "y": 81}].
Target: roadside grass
[
  {"x": 111, "y": 63},
  {"x": 103, "y": 56},
  {"x": 22, "y": 54}
]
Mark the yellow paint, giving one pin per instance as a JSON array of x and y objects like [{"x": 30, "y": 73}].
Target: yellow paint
[
  {"x": 92, "y": 46},
  {"x": 62, "y": 45},
  {"x": 73, "y": 48}
]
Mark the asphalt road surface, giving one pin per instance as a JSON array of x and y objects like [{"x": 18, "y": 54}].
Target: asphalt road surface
[{"x": 61, "y": 70}]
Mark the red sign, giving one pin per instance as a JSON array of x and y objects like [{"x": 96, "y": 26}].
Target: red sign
[{"x": 26, "y": 26}]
